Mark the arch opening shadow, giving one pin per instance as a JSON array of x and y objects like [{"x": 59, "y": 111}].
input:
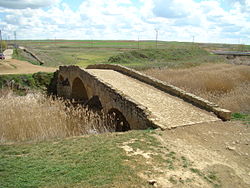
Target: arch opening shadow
[
  {"x": 79, "y": 92},
  {"x": 94, "y": 103},
  {"x": 119, "y": 121},
  {"x": 61, "y": 78}
]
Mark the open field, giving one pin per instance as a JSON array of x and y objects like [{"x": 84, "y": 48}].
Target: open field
[{"x": 83, "y": 53}]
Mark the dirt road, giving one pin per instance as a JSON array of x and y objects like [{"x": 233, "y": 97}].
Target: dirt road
[{"x": 13, "y": 66}]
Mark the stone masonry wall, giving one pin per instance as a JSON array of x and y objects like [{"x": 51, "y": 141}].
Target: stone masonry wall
[{"x": 137, "y": 115}]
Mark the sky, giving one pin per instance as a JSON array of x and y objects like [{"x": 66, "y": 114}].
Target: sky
[{"x": 217, "y": 21}]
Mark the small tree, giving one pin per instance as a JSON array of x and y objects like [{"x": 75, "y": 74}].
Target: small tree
[{"x": 4, "y": 45}]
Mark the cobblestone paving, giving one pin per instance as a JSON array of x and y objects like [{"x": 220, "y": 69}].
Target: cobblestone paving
[{"x": 168, "y": 110}]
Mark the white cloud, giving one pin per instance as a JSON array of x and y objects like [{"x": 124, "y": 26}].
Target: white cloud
[
  {"x": 207, "y": 20},
  {"x": 173, "y": 8},
  {"x": 22, "y": 4}
]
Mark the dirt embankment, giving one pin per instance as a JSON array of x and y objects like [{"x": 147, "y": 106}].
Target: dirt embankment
[
  {"x": 219, "y": 147},
  {"x": 13, "y": 66}
]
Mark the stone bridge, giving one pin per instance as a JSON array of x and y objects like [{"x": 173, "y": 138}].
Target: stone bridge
[
  {"x": 231, "y": 54},
  {"x": 136, "y": 101}
]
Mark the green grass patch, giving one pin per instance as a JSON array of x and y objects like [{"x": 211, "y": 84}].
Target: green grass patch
[
  {"x": 20, "y": 82},
  {"x": 185, "y": 161},
  {"x": 157, "y": 54},
  {"x": 209, "y": 177},
  {"x": 92, "y": 161},
  {"x": 170, "y": 57},
  {"x": 243, "y": 117}
]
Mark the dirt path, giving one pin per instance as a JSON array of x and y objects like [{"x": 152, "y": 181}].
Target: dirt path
[
  {"x": 13, "y": 66},
  {"x": 168, "y": 111},
  {"x": 219, "y": 147}
]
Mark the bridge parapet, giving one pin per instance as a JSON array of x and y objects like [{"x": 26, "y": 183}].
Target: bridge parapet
[{"x": 195, "y": 100}]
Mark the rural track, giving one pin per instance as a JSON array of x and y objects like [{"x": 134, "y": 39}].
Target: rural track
[
  {"x": 14, "y": 66},
  {"x": 167, "y": 110}
]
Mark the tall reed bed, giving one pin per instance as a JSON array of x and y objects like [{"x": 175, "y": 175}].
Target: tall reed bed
[
  {"x": 37, "y": 117},
  {"x": 225, "y": 84}
]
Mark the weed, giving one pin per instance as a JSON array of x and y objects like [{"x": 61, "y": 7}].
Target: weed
[
  {"x": 150, "y": 130},
  {"x": 171, "y": 154},
  {"x": 185, "y": 162},
  {"x": 245, "y": 118},
  {"x": 170, "y": 160},
  {"x": 173, "y": 180},
  {"x": 210, "y": 177},
  {"x": 196, "y": 171}
]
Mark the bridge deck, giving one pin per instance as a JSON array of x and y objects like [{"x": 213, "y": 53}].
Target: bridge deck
[{"x": 169, "y": 111}]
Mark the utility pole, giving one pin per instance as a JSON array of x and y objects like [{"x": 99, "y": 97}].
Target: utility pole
[
  {"x": 1, "y": 41},
  {"x": 15, "y": 39},
  {"x": 193, "y": 39},
  {"x": 156, "y": 37},
  {"x": 138, "y": 42}
]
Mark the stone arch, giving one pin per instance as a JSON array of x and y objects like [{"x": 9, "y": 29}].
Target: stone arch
[
  {"x": 121, "y": 124},
  {"x": 78, "y": 91}
]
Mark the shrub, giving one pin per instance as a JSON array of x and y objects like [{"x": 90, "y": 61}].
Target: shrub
[
  {"x": 175, "y": 54},
  {"x": 4, "y": 45}
]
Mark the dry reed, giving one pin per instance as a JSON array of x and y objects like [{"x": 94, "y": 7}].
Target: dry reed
[
  {"x": 225, "y": 84},
  {"x": 36, "y": 117}
]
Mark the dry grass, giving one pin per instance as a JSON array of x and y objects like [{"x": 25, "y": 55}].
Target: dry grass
[
  {"x": 224, "y": 84},
  {"x": 36, "y": 117}
]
